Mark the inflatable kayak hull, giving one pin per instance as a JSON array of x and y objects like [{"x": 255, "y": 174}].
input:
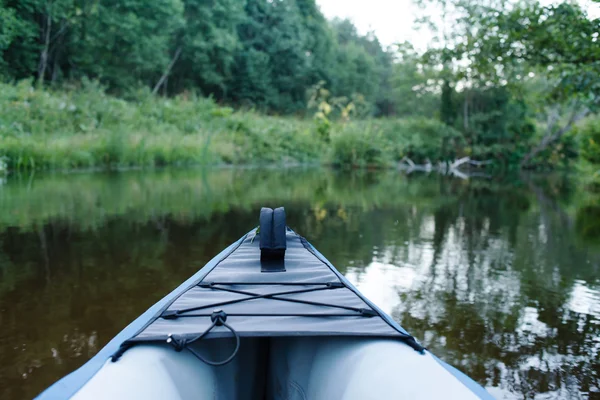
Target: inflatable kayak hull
[{"x": 246, "y": 328}]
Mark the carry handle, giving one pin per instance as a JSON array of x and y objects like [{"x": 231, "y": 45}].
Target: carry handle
[
  {"x": 266, "y": 229},
  {"x": 272, "y": 239}
]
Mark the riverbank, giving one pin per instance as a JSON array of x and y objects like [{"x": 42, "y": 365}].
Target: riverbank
[{"x": 86, "y": 128}]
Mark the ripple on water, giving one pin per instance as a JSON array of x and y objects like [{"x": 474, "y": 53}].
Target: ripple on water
[
  {"x": 584, "y": 299},
  {"x": 381, "y": 283}
]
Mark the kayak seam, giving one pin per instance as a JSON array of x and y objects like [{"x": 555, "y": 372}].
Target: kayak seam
[
  {"x": 225, "y": 334},
  {"x": 195, "y": 283}
]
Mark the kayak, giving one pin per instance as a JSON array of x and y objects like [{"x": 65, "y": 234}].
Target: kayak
[{"x": 267, "y": 318}]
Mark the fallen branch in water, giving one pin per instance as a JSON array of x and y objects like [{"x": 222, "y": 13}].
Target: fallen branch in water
[
  {"x": 467, "y": 160},
  {"x": 407, "y": 160},
  {"x": 412, "y": 166},
  {"x": 445, "y": 168}
]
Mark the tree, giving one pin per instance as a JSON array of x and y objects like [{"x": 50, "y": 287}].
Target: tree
[
  {"x": 557, "y": 42},
  {"x": 263, "y": 53},
  {"x": 319, "y": 43},
  {"x": 124, "y": 43},
  {"x": 272, "y": 63},
  {"x": 498, "y": 44},
  {"x": 9, "y": 26},
  {"x": 564, "y": 41},
  {"x": 207, "y": 42},
  {"x": 413, "y": 85},
  {"x": 355, "y": 65},
  {"x": 23, "y": 35}
]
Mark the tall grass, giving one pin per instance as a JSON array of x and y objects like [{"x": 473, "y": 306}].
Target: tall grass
[
  {"x": 384, "y": 142},
  {"x": 83, "y": 127}
]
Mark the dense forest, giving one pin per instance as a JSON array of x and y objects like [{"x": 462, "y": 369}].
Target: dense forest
[
  {"x": 259, "y": 53},
  {"x": 515, "y": 84}
]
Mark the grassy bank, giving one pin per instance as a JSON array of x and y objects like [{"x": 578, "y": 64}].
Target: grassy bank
[{"x": 86, "y": 128}]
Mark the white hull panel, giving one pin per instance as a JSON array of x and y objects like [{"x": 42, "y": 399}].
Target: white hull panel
[{"x": 315, "y": 368}]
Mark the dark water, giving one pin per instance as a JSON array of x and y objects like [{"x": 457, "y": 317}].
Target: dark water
[{"x": 500, "y": 280}]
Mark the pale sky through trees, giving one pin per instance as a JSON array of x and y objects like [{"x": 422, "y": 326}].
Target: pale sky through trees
[{"x": 393, "y": 20}]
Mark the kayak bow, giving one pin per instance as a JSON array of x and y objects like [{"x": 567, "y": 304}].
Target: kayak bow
[{"x": 268, "y": 319}]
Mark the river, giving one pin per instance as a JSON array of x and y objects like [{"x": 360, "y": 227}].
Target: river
[{"x": 500, "y": 279}]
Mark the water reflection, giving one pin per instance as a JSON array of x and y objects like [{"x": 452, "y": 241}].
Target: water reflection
[{"x": 495, "y": 278}]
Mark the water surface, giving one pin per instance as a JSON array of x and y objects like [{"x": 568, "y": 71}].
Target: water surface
[{"x": 502, "y": 280}]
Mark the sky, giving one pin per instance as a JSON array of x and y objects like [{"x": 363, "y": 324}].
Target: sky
[{"x": 393, "y": 20}]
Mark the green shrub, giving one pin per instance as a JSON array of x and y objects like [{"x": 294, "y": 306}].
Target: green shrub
[
  {"x": 421, "y": 139},
  {"x": 359, "y": 146},
  {"x": 82, "y": 127},
  {"x": 433, "y": 140},
  {"x": 589, "y": 137},
  {"x": 587, "y": 221}
]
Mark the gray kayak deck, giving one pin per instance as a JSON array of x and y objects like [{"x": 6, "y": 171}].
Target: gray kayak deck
[{"x": 309, "y": 298}]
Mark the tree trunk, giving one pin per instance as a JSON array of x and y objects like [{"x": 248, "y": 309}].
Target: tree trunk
[
  {"x": 54, "y": 70},
  {"x": 550, "y": 136},
  {"x": 56, "y": 49},
  {"x": 466, "y": 111},
  {"x": 165, "y": 75},
  {"x": 44, "y": 55},
  {"x": 446, "y": 107}
]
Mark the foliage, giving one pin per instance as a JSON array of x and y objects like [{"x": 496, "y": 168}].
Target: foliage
[
  {"x": 385, "y": 142},
  {"x": 326, "y": 107},
  {"x": 118, "y": 36},
  {"x": 208, "y": 42},
  {"x": 256, "y": 53},
  {"x": 496, "y": 126},
  {"x": 447, "y": 109},
  {"x": 431, "y": 140},
  {"x": 272, "y": 62},
  {"x": 588, "y": 222},
  {"x": 412, "y": 95},
  {"x": 86, "y": 128},
  {"x": 355, "y": 147},
  {"x": 503, "y": 46},
  {"x": 514, "y": 78},
  {"x": 8, "y": 27},
  {"x": 589, "y": 137},
  {"x": 563, "y": 40}
]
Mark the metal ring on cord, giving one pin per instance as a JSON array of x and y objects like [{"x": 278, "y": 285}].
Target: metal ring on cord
[{"x": 218, "y": 318}]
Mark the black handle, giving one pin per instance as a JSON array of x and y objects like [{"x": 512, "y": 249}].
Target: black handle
[
  {"x": 266, "y": 228},
  {"x": 272, "y": 239}
]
